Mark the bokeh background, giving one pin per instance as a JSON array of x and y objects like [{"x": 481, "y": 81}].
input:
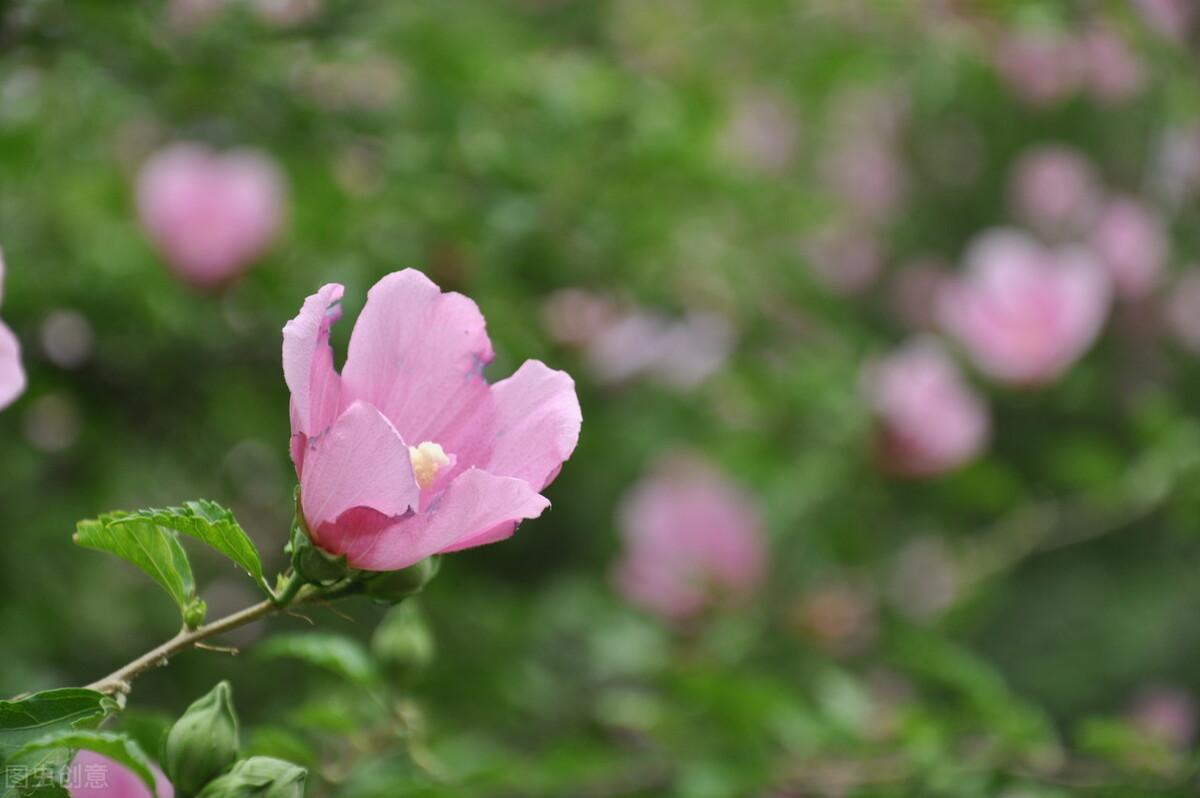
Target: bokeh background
[{"x": 722, "y": 219}]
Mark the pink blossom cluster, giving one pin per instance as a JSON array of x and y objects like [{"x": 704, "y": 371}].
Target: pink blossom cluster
[
  {"x": 1044, "y": 67},
  {"x": 621, "y": 345}
]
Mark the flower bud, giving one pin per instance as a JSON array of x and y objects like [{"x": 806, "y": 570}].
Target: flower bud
[
  {"x": 392, "y": 587},
  {"x": 204, "y": 742},
  {"x": 259, "y": 777},
  {"x": 314, "y": 565},
  {"x": 402, "y": 641}
]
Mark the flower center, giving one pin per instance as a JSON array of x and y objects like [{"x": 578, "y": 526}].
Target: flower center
[{"x": 427, "y": 459}]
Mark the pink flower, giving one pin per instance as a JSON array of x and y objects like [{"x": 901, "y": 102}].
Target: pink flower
[
  {"x": 1054, "y": 190},
  {"x": 930, "y": 419},
  {"x": 691, "y": 538},
  {"x": 1025, "y": 313},
  {"x": 1171, "y": 19},
  {"x": 1042, "y": 67},
  {"x": 12, "y": 375},
  {"x": 96, "y": 776},
  {"x": 1130, "y": 241},
  {"x": 845, "y": 258},
  {"x": 410, "y": 452},
  {"x": 209, "y": 214},
  {"x": 867, "y": 175},
  {"x": 1166, "y": 714},
  {"x": 1112, "y": 71}
]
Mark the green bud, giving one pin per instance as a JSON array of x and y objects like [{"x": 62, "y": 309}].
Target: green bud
[
  {"x": 204, "y": 742},
  {"x": 402, "y": 642},
  {"x": 314, "y": 565},
  {"x": 194, "y": 613},
  {"x": 259, "y": 777},
  {"x": 391, "y": 587}
]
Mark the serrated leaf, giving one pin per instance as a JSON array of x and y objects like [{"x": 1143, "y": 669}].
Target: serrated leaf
[
  {"x": 341, "y": 656},
  {"x": 35, "y": 716},
  {"x": 117, "y": 747},
  {"x": 145, "y": 544},
  {"x": 211, "y": 523}
]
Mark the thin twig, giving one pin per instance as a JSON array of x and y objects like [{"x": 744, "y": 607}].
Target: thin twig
[{"x": 119, "y": 680}]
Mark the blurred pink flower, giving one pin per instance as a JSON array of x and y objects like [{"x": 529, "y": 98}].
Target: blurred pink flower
[
  {"x": 1175, "y": 172},
  {"x": 1041, "y": 67},
  {"x": 839, "y": 618},
  {"x": 96, "y": 776},
  {"x": 1112, "y": 70},
  {"x": 845, "y": 258},
  {"x": 930, "y": 421},
  {"x": 1171, "y": 19},
  {"x": 1130, "y": 241},
  {"x": 1165, "y": 714},
  {"x": 575, "y": 317},
  {"x": 691, "y": 539},
  {"x": 12, "y": 375},
  {"x": 209, "y": 214},
  {"x": 926, "y": 579},
  {"x": 679, "y": 353},
  {"x": 1182, "y": 309},
  {"x": 762, "y": 133},
  {"x": 867, "y": 175},
  {"x": 410, "y": 452},
  {"x": 286, "y": 13},
  {"x": 1025, "y": 313},
  {"x": 1054, "y": 190}
]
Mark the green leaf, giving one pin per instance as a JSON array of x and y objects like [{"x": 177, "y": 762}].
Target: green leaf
[
  {"x": 339, "y": 655},
  {"x": 211, "y": 523},
  {"x": 145, "y": 544},
  {"x": 35, "y": 716},
  {"x": 116, "y": 747}
]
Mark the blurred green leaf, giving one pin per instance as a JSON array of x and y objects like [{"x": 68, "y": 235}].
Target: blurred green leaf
[{"x": 339, "y": 655}]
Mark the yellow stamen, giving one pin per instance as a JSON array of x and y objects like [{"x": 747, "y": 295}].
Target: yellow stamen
[{"x": 427, "y": 459}]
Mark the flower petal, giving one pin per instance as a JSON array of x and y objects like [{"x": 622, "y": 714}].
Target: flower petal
[
  {"x": 360, "y": 462},
  {"x": 12, "y": 375},
  {"x": 308, "y": 362},
  {"x": 537, "y": 424},
  {"x": 475, "y": 506},
  {"x": 418, "y": 355},
  {"x": 112, "y": 779}
]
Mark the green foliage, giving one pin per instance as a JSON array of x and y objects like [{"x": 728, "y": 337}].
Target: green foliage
[
  {"x": 259, "y": 777},
  {"x": 209, "y": 522},
  {"x": 33, "y": 717},
  {"x": 341, "y": 656}
]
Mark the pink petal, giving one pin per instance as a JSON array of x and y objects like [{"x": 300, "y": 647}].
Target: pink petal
[
  {"x": 360, "y": 462},
  {"x": 98, "y": 776},
  {"x": 537, "y": 424},
  {"x": 467, "y": 514},
  {"x": 308, "y": 362},
  {"x": 418, "y": 355},
  {"x": 12, "y": 375}
]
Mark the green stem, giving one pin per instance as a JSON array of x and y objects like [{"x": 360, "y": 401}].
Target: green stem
[{"x": 290, "y": 589}]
